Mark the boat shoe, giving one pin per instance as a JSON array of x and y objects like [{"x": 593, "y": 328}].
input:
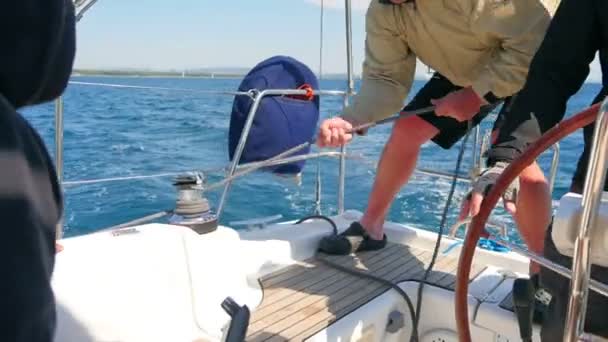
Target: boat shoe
[{"x": 354, "y": 239}]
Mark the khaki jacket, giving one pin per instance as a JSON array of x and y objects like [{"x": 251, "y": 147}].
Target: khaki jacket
[{"x": 486, "y": 44}]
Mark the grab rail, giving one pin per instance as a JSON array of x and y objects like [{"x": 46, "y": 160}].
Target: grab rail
[
  {"x": 247, "y": 128},
  {"x": 594, "y": 285},
  {"x": 59, "y": 154},
  {"x": 465, "y": 222},
  {"x": 350, "y": 88},
  {"x": 592, "y": 195},
  {"x": 82, "y": 6}
]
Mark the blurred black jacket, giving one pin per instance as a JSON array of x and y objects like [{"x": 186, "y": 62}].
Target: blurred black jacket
[{"x": 36, "y": 59}]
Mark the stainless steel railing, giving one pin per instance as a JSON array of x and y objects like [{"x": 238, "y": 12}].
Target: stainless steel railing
[
  {"x": 467, "y": 221},
  {"x": 247, "y": 128},
  {"x": 350, "y": 87},
  {"x": 232, "y": 173},
  {"x": 592, "y": 195},
  {"x": 59, "y": 154},
  {"x": 84, "y": 5},
  {"x": 593, "y": 284}
]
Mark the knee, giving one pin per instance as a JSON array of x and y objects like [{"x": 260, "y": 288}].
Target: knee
[
  {"x": 533, "y": 176},
  {"x": 412, "y": 132}
]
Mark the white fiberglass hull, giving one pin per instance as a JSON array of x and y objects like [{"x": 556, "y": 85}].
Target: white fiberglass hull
[{"x": 166, "y": 283}]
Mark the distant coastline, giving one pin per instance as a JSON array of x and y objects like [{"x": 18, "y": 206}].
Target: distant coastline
[
  {"x": 229, "y": 73},
  {"x": 153, "y": 73},
  {"x": 203, "y": 73}
]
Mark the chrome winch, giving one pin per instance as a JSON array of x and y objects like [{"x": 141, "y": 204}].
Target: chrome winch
[{"x": 192, "y": 209}]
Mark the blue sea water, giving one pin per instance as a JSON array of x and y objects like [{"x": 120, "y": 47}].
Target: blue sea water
[{"x": 112, "y": 132}]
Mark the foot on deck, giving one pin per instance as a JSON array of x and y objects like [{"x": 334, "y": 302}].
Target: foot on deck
[{"x": 354, "y": 239}]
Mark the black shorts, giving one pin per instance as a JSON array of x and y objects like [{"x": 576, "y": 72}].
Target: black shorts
[
  {"x": 596, "y": 319},
  {"x": 450, "y": 130}
]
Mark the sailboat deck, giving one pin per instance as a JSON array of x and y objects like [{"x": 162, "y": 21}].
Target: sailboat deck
[{"x": 305, "y": 298}]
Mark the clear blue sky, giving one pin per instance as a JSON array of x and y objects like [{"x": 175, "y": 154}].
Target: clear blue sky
[
  {"x": 163, "y": 34},
  {"x": 205, "y": 33}
]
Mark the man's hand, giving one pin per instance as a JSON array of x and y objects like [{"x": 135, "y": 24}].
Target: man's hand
[
  {"x": 461, "y": 105},
  {"x": 482, "y": 186},
  {"x": 333, "y": 132}
]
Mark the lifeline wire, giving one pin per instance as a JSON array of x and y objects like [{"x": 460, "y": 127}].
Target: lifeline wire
[{"x": 200, "y": 91}]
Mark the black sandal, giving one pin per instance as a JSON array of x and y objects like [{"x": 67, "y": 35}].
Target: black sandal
[{"x": 354, "y": 239}]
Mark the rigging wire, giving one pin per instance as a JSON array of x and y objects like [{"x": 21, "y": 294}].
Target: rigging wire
[
  {"x": 200, "y": 91},
  {"x": 318, "y": 180}
]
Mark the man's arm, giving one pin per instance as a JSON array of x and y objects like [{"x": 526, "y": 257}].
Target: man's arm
[
  {"x": 557, "y": 72},
  {"x": 388, "y": 69},
  {"x": 518, "y": 28}
]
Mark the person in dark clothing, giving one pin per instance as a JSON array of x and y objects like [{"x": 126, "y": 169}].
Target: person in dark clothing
[
  {"x": 581, "y": 168},
  {"x": 38, "y": 38},
  {"x": 558, "y": 70}
]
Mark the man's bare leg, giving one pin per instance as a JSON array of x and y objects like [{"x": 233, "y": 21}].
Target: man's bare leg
[
  {"x": 533, "y": 213},
  {"x": 397, "y": 162}
]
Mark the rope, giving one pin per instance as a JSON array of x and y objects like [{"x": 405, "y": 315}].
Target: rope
[
  {"x": 444, "y": 218},
  {"x": 361, "y": 274},
  {"x": 441, "y": 227}
]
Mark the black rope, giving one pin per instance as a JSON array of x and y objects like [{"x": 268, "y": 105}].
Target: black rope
[
  {"x": 322, "y": 217},
  {"x": 410, "y": 305},
  {"x": 441, "y": 227}
]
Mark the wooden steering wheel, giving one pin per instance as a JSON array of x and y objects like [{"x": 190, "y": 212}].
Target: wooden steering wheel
[{"x": 478, "y": 222}]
